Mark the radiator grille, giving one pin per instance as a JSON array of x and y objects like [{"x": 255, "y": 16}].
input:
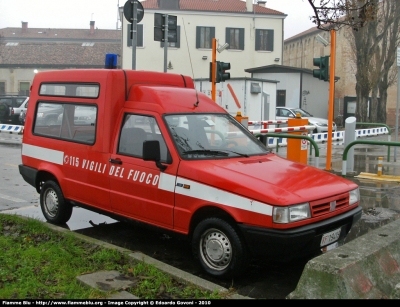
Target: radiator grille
[{"x": 327, "y": 205}]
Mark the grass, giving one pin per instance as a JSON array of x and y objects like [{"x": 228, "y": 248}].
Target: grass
[{"x": 37, "y": 262}]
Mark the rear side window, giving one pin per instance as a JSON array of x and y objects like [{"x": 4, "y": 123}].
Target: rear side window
[
  {"x": 72, "y": 122},
  {"x": 84, "y": 90}
]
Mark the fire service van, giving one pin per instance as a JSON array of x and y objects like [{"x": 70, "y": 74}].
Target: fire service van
[{"x": 148, "y": 147}]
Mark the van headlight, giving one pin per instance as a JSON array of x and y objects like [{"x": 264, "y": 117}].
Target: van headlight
[
  {"x": 284, "y": 215},
  {"x": 354, "y": 196}
]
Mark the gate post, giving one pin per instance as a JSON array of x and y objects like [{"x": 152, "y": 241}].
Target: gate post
[
  {"x": 350, "y": 136},
  {"x": 297, "y": 148}
]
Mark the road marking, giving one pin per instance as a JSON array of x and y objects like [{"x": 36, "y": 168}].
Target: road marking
[{"x": 16, "y": 200}]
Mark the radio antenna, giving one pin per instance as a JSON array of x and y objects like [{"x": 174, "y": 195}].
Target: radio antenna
[
  {"x": 191, "y": 66},
  {"x": 187, "y": 45}
]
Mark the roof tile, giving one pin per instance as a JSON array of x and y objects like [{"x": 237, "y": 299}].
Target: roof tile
[{"x": 237, "y": 6}]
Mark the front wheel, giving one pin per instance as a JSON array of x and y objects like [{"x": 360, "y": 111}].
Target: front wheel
[
  {"x": 53, "y": 205},
  {"x": 219, "y": 248}
]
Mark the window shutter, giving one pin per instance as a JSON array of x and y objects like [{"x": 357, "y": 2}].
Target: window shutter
[
  {"x": 228, "y": 36},
  {"x": 258, "y": 39},
  {"x": 241, "y": 39},
  {"x": 139, "y": 34},
  {"x": 198, "y": 37},
  {"x": 270, "y": 40},
  {"x": 212, "y": 32},
  {"x": 128, "y": 33}
]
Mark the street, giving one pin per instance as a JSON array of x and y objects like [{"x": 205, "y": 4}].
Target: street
[{"x": 380, "y": 201}]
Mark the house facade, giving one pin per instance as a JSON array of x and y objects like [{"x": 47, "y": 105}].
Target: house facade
[{"x": 254, "y": 34}]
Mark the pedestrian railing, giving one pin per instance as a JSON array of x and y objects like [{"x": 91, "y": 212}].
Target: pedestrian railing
[
  {"x": 295, "y": 136},
  {"x": 346, "y": 150}
]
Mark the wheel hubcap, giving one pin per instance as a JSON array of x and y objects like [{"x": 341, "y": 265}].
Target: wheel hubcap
[
  {"x": 51, "y": 203},
  {"x": 216, "y": 249}
]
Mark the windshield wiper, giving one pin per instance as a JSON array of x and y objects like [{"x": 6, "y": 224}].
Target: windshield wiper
[
  {"x": 205, "y": 152},
  {"x": 237, "y": 153}
]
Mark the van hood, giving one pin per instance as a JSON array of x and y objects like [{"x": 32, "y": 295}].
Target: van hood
[{"x": 269, "y": 178}]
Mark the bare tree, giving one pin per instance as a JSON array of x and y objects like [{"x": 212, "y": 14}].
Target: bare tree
[
  {"x": 387, "y": 54},
  {"x": 375, "y": 48},
  {"x": 375, "y": 28},
  {"x": 335, "y": 13}
]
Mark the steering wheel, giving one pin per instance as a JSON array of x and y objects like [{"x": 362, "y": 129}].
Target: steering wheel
[{"x": 226, "y": 143}]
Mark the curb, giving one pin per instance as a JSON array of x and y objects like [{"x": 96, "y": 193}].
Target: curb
[
  {"x": 366, "y": 268},
  {"x": 168, "y": 269}
]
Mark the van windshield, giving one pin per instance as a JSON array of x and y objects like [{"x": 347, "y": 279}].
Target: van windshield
[{"x": 210, "y": 136}]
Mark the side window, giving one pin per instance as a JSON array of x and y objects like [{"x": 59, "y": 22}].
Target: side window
[
  {"x": 176, "y": 44},
  {"x": 264, "y": 40},
  {"x": 204, "y": 36},
  {"x": 137, "y": 129},
  {"x": 72, "y": 122},
  {"x": 281, "y": 98},
  {"x": 18, "y": 102},
  {"x": 235, "y": 38},
  {"x": 139, "y": 35},
  {"x": 24, "y": 88}
]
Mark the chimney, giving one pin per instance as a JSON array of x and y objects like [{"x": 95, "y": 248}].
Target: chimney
[
  {"x": 249, "y": 5},
  {"x": 168, "y": 4},
  {"x": 92, "y": 27},
  {"x": 262, "y": 3},
  {"x": 24, "y": 27}
]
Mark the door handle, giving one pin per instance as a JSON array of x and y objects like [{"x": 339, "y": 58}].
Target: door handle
[{"x": 115, "y": 161}]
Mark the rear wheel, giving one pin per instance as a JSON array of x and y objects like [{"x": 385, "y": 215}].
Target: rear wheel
[
  {"x": 53, "y": 205},
  {"x": 219, "y": 248}
]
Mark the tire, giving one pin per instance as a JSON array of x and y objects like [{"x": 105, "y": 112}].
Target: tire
[
  {"x": 53, "y": 205},
  {"x": 219, "y": 248}
]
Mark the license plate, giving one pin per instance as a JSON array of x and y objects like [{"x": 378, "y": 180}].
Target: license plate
[
  {"x": 330, "y": 237},
  {"x": 330, "y": 247}
]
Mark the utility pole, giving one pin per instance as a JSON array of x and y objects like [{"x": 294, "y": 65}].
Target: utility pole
[
  {"x": 213, "y": 69},
  {"x": 331, "y": 100},
  {"x": 165, "y": 42},
  {"x": 134, "y": 34}
]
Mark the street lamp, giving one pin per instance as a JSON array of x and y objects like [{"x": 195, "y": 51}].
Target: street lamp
[{"x": 322, "y": 40}]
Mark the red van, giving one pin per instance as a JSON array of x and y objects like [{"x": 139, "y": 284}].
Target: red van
[{"x": 147, "y": 146}]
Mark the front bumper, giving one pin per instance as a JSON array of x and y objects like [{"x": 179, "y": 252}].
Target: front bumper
[{"x": 289, "y": 244}]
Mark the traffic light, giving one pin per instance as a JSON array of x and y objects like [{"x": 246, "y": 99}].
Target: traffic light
[
  {"x": 323, "y": 72},
  {"x": 222, "y": 75}
]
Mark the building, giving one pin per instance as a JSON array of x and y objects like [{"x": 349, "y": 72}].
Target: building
[
  {"x": 296, "y": 88},
  {"x": 300, "y": 50},
  {"x": 25, "y": 51},
  {"x": 253, "y": 31}
]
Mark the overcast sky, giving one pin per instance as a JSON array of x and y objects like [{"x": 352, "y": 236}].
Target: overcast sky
[{"x": 77, "y": 14}]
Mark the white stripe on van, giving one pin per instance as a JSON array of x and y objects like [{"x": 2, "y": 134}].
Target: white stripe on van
[
  {"x": 167, "y": 183},
  {"x": 207, "y": 193},
  {"x": 44, "y": 154}
]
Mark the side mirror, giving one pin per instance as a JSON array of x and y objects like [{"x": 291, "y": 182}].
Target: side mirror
[{"x": 151, "y": 152}]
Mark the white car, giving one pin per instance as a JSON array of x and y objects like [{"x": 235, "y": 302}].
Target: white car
[
  {"x": 321, "y": 124},
  {"x": 20, "y": 112}
]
